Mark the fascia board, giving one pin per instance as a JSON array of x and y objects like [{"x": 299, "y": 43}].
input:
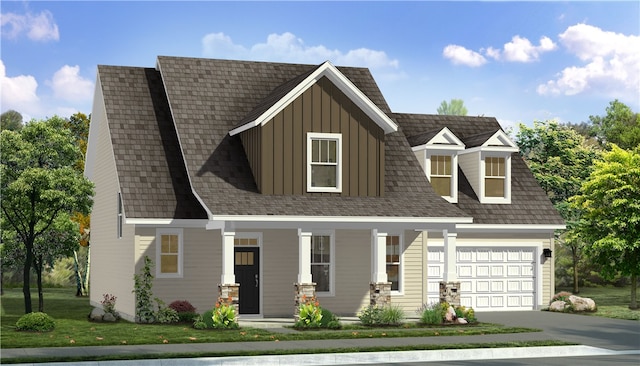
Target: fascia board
[
  {"x": 343, "y": 219},
  {"x": 502, "y": 137},
  {"x": 438, "y": 147},
  {"x": 508, "y": 227},
  {"x": 186, "y": 223},
  {"x": 342, "y": 82},
  {"x": 505, "y": 149}
]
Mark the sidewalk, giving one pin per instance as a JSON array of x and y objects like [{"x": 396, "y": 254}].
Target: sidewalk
[{"x": 550, "y": 323}]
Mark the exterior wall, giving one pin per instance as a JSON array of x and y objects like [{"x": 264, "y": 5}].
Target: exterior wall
[
  {"x": 411, "y": 297},
  {"x": 202, "y": 267},
  {"x": 277, "y": 150},
  {"x": 280, "y": 271},
  {"x": 112, "y": 257},
  {"x": 470, "y": 165},
  {"x": 548, "y": 272}
]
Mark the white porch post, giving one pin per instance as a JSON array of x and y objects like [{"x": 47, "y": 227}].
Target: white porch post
[
  {"x": 228, "y": 274},
  {"x": 379, "y": 253},
  {"x": 304, "y": 257},
  {"x": 449, "y": 256}
]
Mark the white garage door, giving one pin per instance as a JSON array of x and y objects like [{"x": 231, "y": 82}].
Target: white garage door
[{"x": 490, "y": 278}]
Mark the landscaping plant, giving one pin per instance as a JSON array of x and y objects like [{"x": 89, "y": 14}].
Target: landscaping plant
[
  {"x": 35, "y": 322},
  {"x": 310, "y": 313},
  {"x": 224, "y": 315}
]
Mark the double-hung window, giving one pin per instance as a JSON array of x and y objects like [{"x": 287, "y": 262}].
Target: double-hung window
[
  {"x": 394, "y": 256},
  {"x": 495, "y": 177},
  {"x": 324, "y": 162},
  {"x": 169, "y": 253},
  {"x": 441, "y": 174},
  {"x": 322, "y": 263}
]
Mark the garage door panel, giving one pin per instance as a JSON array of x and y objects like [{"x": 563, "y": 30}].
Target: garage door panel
[{"x": 491, "y": 278}]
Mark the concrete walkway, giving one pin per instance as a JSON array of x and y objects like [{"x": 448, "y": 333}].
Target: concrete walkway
[{"x": 597, "y": 336}]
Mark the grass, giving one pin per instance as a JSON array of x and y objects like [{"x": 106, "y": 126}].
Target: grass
[{"x": 612, "y": 302}]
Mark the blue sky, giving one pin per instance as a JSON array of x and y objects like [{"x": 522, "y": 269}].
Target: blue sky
[{"x": 516, "y": 61}]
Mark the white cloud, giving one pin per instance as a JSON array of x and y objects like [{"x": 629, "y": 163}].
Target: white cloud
[
  {"x": 18, "y": 92},
  {"x": 286, "y": 47},
  {"x": 611, "y": 64},
  {"x": 521, "y": 50},
  {"x": 68, "y": 85},
  {"x": 37, "y": 27},
  {"x": 462, "y": 56}
]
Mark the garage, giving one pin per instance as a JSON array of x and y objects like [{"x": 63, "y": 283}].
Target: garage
[{"x": 491, "y": 278}]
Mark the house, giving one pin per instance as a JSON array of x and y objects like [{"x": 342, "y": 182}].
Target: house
[{"x": 267, "y": 181}]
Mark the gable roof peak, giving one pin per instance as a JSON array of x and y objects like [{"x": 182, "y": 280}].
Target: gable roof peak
[{"x": 282, "y": 96}]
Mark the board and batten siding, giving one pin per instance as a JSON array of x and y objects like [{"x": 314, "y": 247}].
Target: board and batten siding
[
  {"x": 202, "y": 267},
  {"x": 277, "y": 151},
  {"x": 113, "y": 273}
]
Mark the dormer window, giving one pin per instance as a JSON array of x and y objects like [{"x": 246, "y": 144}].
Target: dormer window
[
  {"x": 494, "y": 177},
  {"x": 437, "y": 151},
  {"x": 324, "y": 162}
]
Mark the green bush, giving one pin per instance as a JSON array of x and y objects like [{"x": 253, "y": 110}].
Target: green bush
[
  {"x": 431, "y": 314},
  {"x": 36, "y": 322},
  {"x": 374, "y": 315},
  {"x": 371, "y": 315},
  {"x": 329, "y": 320},
  {"x": 392, "y": 315},
  {"x": 187, "y": 317},
  {"x": 204, "y": 321}
]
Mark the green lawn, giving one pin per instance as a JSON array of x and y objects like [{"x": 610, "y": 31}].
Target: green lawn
[
  {"x": 612, "y": 302},
  {"x": 73, "y": 328}
]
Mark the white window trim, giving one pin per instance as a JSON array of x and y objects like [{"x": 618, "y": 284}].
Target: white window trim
[
  {"x": 507, "y": 178},
  {"x": 332, "y": 262},
  {"x": 453, "y": 198},
  {"x": 180, "y": 234},
  {"x": 326, "y": 136},
  {"x": 400, "y": 290}
]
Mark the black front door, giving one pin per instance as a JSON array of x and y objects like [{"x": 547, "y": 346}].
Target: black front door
[{"x": 247, "y": 271}]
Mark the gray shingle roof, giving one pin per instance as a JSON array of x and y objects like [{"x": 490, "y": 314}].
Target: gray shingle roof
[
  {"x": 529, "y": 203},
  {"x": 193, "y": 103},
  {"x": 153, "y": 179}
]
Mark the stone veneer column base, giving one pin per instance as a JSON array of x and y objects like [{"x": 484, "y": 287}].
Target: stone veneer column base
[
  {"x": 302, "y": 290},
  {"x": 230, "y": 290},
  {"x": 380, "y": 293},
  {"x": 450, "y": 292}
]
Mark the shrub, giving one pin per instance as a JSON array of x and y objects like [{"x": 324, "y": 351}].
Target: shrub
[
  {"x": 36, "y": 322},
  {"x": 392, "y": 315},
  {"x": 431, "y": 314},
  {"x": 109, "y": 305},
  {"x": 165, "y": 315},
  {"x": 310, "y": 313},
  {"x": 142, "y": 289},
  {"x": 371, "y": 315},
  {"x": 186, "y": 311},
  {"x": 224, "y": 315},
  {"x": 329, "y": 320},
  {"x": 204, "y": 321},
  {"x": 182, "y": 306}
]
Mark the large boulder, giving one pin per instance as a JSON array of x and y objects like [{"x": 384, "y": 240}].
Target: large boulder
[
  {"x": 108, "y": 317},
  {"x": 96, "y": 314},
  {"x": 558, "y": 306},
  {"x": 582, "y": 303}
]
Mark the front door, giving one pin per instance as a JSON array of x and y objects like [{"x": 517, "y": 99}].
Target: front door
[{"x": 247, "y": 271}]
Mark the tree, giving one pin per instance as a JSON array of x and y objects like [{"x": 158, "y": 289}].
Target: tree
[
  {"x": 39, "y": 185},
  {"x": 560, "y": 161},
  {"x": 455, "y": 108},
  {"x": 610, "y": 202},
  {"x": 620, "y": 126},
  {"x": 10, "y": 120}
]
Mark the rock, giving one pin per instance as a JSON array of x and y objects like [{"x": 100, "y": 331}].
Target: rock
[
  {"x": 450, "y": 316},
  {"x": 462, "y": 321},
  {"x": 582, "y": 303},
  {"x": 108, "y": 317},
  {"x": 96, "y": 314},
  {"x": 557, "y": 306}
]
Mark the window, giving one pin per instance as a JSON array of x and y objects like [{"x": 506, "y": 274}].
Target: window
[
  {"x": 441, "y": 174},
  {"x": 321, "y": 263},
  {"x": 494, "y": 181},
  {"x": 324, "y": 157},
  {"x": 169, "y": 253},
  {"x": 120, "y": 217},
  {"x": 394, "y": 255}
]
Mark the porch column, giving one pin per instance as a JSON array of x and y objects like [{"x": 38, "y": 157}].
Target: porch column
[
  {"x": 304, "y": 288},
  {"x": 379, "y": 288},
  {"x": 450, "y": 286},
  {"x": 228, "y": 275}
]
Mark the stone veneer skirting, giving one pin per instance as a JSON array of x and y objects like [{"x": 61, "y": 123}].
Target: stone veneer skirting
[
  {"x": 450, "y": 292},
  {"x": 302, "y": 290},
  {"x": 380, "y": 293},
  {"x": 230, "y": 290}
]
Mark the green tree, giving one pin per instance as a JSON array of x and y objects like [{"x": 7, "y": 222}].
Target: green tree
[
  {"x": 610, "y": 202},
  {"x": 10, "y": 120},
  {"x": 39, "y": 185},
  {"x": 620, "y": 126},
  {"x": 560, "y": 161},
  {"x": 454, "y": 108}
]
